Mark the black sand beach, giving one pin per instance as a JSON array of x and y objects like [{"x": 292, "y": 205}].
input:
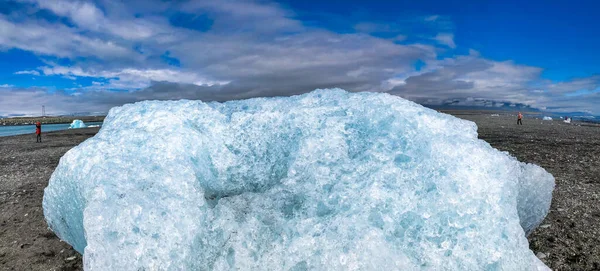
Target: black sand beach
[
  {"x": 26, "y": 243},
  {"x": 568, "y": 239}
]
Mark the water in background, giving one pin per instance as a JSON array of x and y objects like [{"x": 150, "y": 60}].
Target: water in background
[{"x": 30, "y": 129}]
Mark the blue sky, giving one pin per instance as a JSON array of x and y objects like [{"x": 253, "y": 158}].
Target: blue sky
[
  {"x": 88, "y": 56},
  {"x": 560, "y": 36}
]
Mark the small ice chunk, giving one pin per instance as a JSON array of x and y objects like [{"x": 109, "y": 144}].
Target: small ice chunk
[
  {"x": 547, "y": 118},
  {"x": 328, "y": 180},
  {"x": 77, "y": 124},
  {"x": 541, "y": 255}
]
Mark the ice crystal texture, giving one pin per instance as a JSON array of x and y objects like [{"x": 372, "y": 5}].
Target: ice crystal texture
[{"x": 328, "y": 180}]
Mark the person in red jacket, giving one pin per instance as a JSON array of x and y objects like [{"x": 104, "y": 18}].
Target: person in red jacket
[{"x": 38, "y": 132}]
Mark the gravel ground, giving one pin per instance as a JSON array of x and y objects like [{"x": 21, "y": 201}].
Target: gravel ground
[
  {"x": 26, "y": 243},
  {"x": 568, "y": 239}
]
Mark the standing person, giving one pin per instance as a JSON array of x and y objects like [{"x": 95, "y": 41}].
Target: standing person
[
  {"x": 519, "y": 119},
  {"x": 38, "y": 132}
]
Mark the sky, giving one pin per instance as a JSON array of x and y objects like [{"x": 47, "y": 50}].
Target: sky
[{"x": 88, "y": 56}]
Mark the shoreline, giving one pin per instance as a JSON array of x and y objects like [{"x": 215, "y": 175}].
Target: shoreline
[
  {"x": 18, "y": 121},
  {"x": 13, "y": 130}
]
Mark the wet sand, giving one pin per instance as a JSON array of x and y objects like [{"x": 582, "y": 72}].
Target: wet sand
[{"x": 568, "y": 239}]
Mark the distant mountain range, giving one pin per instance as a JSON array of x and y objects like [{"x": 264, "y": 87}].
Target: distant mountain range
[
  {"x": 79, "y": 114},
  {"x": 580, "y": 116}
]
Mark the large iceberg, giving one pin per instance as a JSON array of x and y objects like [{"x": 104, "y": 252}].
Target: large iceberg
[
  {"x": 76, "y": 124},
  {"x": 328, "y": 180}
]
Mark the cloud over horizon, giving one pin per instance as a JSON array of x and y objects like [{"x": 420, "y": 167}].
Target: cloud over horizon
[{"x": 106, "y": 53}]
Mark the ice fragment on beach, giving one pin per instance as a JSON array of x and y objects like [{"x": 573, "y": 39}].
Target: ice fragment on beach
[
  {"x": 547, "y": 118},
  {"x": 77, "y": 124},
  {"x": 328, "y": 180}
]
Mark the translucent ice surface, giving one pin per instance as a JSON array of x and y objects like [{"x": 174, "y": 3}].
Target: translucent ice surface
[
  {"x": 547, "y": 118},
  {"x": 77, "y": 124},
  {"x": 328, "y": 180}
]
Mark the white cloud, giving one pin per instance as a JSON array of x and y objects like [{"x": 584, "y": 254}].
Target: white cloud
[
  {"x": 56, "y": 40},
  {"x": 32, "y": 72},
  {"x": 280, "y": 51},
  {"x": 88, "y": 16},
  {"x": 400, "y": 37},
  {"x": 578, "y": 84},
  {"x": 370, "y": 27},
  {"x": 81, "y": 12},
  {"x": 240, "y": 16},
  {"x": 468, "y": 76},
  {"x": 445, "y": 39},
  {"x": 253, "y": 48},
  {"x": 131, "y": 79},
  {"x": 473, "y": 52},
  {"x": 472, "y": 80},
  {"x": 432, "y": 18}
]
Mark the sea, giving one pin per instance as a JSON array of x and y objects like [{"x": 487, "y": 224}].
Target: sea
[{"x": 10, "y": 130}]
